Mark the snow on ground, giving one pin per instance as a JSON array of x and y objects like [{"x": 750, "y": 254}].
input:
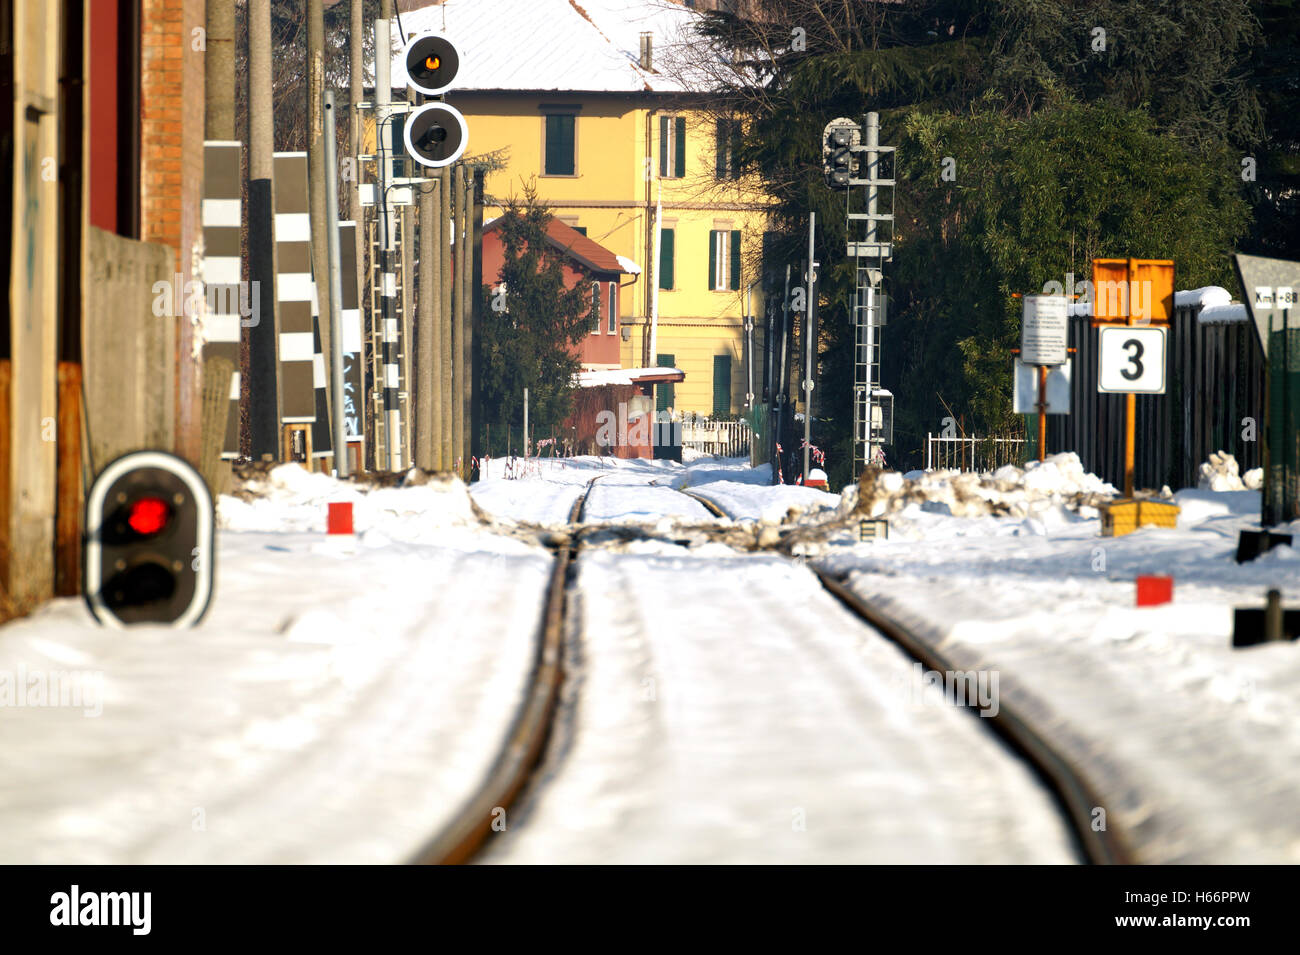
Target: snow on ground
[
  {"x": 542, "y": 490},
  {"x": 750, "y": 502},
  {"x": 303, "y": 720},
  {"x": 728, "y": 710},
  {"x": 1194, "y": 746}
]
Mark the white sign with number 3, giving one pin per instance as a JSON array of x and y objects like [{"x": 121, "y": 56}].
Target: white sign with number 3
[{"x": 1132, "y": 360}]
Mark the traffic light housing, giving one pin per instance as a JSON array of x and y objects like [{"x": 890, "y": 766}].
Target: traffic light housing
[
  {"x": 837, "y": 156},
  {"x": 435, "y": 135},
  {"x": 432, "y": 62},
  {"x": 149, "y": 551}
]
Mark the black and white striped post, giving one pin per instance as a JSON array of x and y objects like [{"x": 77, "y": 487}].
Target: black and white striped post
[
  {"x": 295, "y": 290},
  {"x": 388, "y": 280},
  {"x": 230, "y": 304}
]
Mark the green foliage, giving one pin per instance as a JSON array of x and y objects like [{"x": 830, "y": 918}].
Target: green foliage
[
  {"x": 1063, "y": 152},
  {"x": 532, "y": 343},
  {"x": 1033, "y": 200}
]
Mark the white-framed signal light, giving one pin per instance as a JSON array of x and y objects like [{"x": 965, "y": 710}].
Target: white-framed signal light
[
  {"x": 431, "y": 62},
  {"x": 436, "y": 135},
  {"x": 149, "y": 542}
]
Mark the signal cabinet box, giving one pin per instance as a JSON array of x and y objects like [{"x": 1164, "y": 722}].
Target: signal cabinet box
[{"x": 1124, "y": 516}]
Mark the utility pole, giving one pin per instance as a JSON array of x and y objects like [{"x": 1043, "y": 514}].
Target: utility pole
[
  {"x": 460, "y": 363},
  {"x": 356, "y": 72},
  {"x": 219, "y": 71},
  {"x": 465, "y": 390},
  {"x": 428, "y": 369},
  {"x": 448, "y": 343},
  {"x": 323, "y": 220},
  {"x": 476, "y": 318},
  {"x": 457, "y": 327},
  {"x": 780, "y": 386},
  {"x": 264, "y": 337},
  {"x": 335, "y": 273},
  {"x": 810, "y": 343}
]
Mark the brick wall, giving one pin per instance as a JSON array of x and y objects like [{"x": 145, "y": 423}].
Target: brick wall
[{"x": 171, "y": 170}]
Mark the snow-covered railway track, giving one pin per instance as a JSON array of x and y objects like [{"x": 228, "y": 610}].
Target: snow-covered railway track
[
  {"x": 1057, "y": 801},
  {"x": 1075, "y": 796},
  {"x": 727, "y": 709},
  {"x": 461, "y": 839}
]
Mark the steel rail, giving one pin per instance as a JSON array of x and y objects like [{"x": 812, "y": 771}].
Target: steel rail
[
  {"x": 1074, "y": 794},
  {"x": 464, "y": 836}
]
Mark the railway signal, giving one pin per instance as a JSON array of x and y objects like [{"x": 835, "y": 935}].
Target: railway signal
[
  {"x": 149, "y": 542},
  {"x": 432, "y": 62},
  {"x": 838, "y": 138},
  {"x": 435, "y": 134}
]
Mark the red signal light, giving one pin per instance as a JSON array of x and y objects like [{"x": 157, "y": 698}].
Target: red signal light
[{"x": 147, "y": 515}]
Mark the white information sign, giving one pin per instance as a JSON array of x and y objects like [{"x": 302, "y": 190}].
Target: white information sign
[
  {"x": 1131, "y": 359},
  {"x": 1024, "y": 396},
  {"x": 1044, "y": 330}
]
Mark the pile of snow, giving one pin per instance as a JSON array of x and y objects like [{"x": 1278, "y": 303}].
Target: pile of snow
[
  {"x": 1220, "y": 474},
  {"x": 290, "y": 498},
  {"x": 1059, "y": 482}
]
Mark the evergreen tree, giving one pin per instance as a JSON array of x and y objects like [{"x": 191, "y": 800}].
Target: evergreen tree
[
  {"x": 1063, "y": 150},
  {"x": 529, "y": 334}
]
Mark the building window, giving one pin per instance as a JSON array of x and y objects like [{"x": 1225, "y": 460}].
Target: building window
[
  {"x": 664, "y": 391},
  {"x": 612, "y": 325},
  {"x": 727, "y": 164},
  {"x": 672, "y": 147},
  {"x": 722, "y": 384},
  {"x": 595, "y": 308},
  {"x": 560, "y": 144},
  {"x": 580, "y": 229},
  {"x": 724, "y": 259},
  {"x": 667, "y": 246}
]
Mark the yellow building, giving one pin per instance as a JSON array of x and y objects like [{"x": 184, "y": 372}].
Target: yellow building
[{"x": 582, "y": 101}]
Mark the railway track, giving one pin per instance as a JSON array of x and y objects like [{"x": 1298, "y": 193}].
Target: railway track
[
  {"x": 1074, "y": 795},
  {"x": 527, "y": 739},
  {"x": 475, "y": 822}
]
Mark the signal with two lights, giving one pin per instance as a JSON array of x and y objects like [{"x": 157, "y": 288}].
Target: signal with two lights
[
  {"x": 149, "y": 542},
  {"x": 436, "y": 134}
]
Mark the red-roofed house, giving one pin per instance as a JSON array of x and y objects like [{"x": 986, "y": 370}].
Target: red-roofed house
[{"x": 599, "y": 350}]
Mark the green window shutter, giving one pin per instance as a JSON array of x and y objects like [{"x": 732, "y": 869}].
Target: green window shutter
[
  {"x": 722, "y": 384},
  {"x": 667, "y": 241},
  {"x": 664, "y": 393},
  {"x": 663, "y": 145},
  {"x": 720, "y": 163},
  {"x": 735, "y": 258},
  {"x": 559, "y": 145},
  {"x": 595, "y": 307},
  {"x": 713, "y": 258},
  {"x": 680, "y": 158}
]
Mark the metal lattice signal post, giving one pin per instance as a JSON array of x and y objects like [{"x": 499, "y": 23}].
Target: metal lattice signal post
[{"x": 843, "y": 141}]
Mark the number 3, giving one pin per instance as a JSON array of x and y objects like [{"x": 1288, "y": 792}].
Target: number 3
[{"x": 1135, "y": 358}]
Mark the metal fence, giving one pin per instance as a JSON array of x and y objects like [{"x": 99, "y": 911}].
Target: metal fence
[
  {"x": 709, "y": 436},
  {"x": 1215, "y": 376},
  {"x": 972, "y": 454}
]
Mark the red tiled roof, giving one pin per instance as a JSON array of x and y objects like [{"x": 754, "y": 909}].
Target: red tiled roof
[{"x": 569, "y": 240}]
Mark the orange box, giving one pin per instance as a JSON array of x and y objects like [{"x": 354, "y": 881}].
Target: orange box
[{"x": 1137, "y": 289}]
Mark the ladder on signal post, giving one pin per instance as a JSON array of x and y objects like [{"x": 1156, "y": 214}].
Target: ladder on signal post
[{"x": 870, "y": 254}]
